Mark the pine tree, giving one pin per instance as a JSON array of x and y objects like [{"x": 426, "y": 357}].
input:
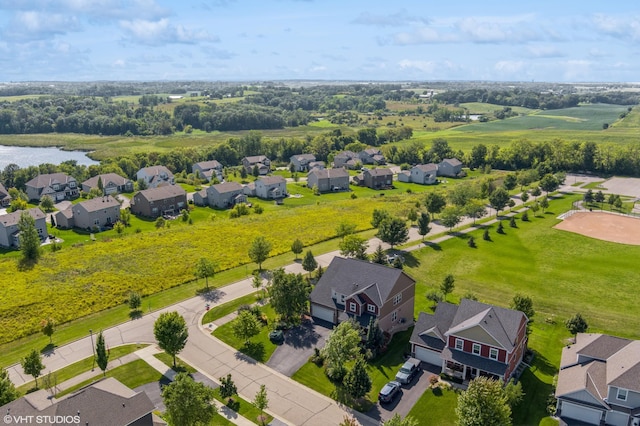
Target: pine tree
[
  {"x": 357, "y": 382},
  {"x": 102, "y": 356}
]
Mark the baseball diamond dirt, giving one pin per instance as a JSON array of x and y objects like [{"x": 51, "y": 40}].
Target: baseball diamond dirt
[{"x": 604, "y": 226}]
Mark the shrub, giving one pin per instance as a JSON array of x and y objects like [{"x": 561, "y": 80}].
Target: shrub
[
  {"x": 512, "y": 222},
  {"x": 471, "y": 242},
  {"x": 525, "y": 217},
  {"x": 258, "y": 209},
  {"x": 433, "y": 380}
]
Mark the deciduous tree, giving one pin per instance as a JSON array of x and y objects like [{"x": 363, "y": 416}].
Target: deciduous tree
[
  {"x": 447, "y": 285},
  {"x": 296, "y": 247},
  {"x": 499, "y": 199},
  {"x": 171, "y": 332},
  {"x": 393, "y": 231},
  {"x": 435, "y": 202},
  {"x": 354, "y": 246},
  {"x": 261, "y": 402},
  {"x": 227, "y": 387},
  {"x": 245, "y": 326},
  {"x": 450, "y": 217},
  {"x": 345, "y": 228},
  {"x": 483, "y": 403},
  {"x": 396, "y": 420},
  {"x": 48, "y": 327},
  {"x": 205, "y": 268},
  {"x": 342, "y": 345},
  {"x": 289, "y": 295},
  {"x": 135, "y": 301},
  {"x": 32, "y": 365},
  {"x": 378, "y": 216},
  {"x": 259, "y": 250},
  {"x": 474, "y": 209},
  {"x": 423, "y": 224},
  {"x": 29, "y": 239},
  {"x": 188, "y": 402},
  {"x": 549, "y": 183}
]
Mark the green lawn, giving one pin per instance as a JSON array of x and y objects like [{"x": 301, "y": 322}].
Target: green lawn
[
  {"x": 436, "y": 407},
  {"x": 227, "y": 308},
  {"x": 181, "y": 366},
  {"x": 242, "y": 407},
  {"x": 259, "y": 347}
]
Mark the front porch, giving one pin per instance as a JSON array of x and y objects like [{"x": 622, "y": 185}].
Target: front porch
[{"x": 466, "y": 373}]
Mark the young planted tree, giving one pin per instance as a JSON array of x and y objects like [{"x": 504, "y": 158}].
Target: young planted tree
[
  {"x": 536, "y": 192},
  {"x": 379, "y": 216},
  {"x": 447, "y": 285},
  {"x": 135, "y": 300},
  {"x": 485, "y": 235},
  {"x": 205, "y": 268},
  {"x": 483, "y": 403},
  {"x": 450, "y": 217},
  {"x": 535, "y": 207},
  {"x": 474, "y": 209},
  {"x": 549, "y": 183},
  {"x": 576, "y": 324},
  {"x": 375, "y": 337},
  {"x": 434, "y": 203},
  {"x": 8, "y": 391},
  {"x": 354, "y": 246},
  {"x": 499, "y": 199},
  {"x": 102, "y": 355},
  {"x": 423, "y": 224},
  {"x": 309, "y": 262},
  {"x": 412, "y": 216},
  {"x": 188, "y": 402},
  {"x": 29, "y": 239},
  {"x": 227, "y": 388},
  {"x": 599, "y": 198},
  {"x": 396, "y": 420},
  {"x": 524, "y": 304},
  {"x": 357, "y": 382},
  {"x": 524, "y": 197},
  {"x": 379, "y": 256},
  {"x": 289, "y": 295},
  {"x": 32, "y": 365},
  {"x": 259, "y": 250},
  {"x": 393, "y": 231},
  {"x": 261, "y": 402},
  {"x": 345, "y": 228},
  {"x": 588, "y": 197},
  {"x": 46, "y": 203},
  {"x": 245, "y": 326},
  {"x": 256, "y": 282},
  {"x": 297, "y": 247},
  {"x": 170, "y": 330},
  {"x": 544, "y": 204},
  {"x": 48, "y": 327},
  {"x": 510, "y": 181},
  {"x": 512, "y": 222}
]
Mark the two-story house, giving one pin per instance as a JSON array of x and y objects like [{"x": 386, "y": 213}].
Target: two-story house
[
  {"x": 5, "y": 198},
  {"x": 377, "y": 178},
  {"x": 328, "y": 179},
  {"x": 372, "y": 156},
  {"x": 423, "y": 174},
  {"x": 221, "y": 195},
  {"x": 360, "y": 289},
  {"x": 302, "y": 162},
  {"x": 208, "y": 170},
  {"x": 261, "y": 161},
  {"x": 58, "y": 186},
  {"x": 156, "y": 202},
  {"x": 346, "y": 159},
  {"x": 599, "y": 381},
  {"x": 97, "y": 213},
  {"x": 450, "y": 167},
  {"x": 271, "y": 187},
  {"x": 471, "y": 339},
  {"x": 112, "y": 183},
  {"x": 10, "y": 232},
  {"x": 156, "y": 176}
]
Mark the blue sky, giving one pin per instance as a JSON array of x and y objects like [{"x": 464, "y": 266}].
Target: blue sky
[{"x": 240, "y": 40}]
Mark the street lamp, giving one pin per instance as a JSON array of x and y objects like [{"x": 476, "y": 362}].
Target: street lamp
[{"x": 93, "y": 349}]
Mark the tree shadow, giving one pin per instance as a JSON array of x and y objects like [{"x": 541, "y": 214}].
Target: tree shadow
[
  {"x": 436, "y": 391},
  {"x": 434, "y": 246},
  {"x": 135, "y": 314},
  {"x": 210, "y": 295},
  {"x": 25, "y": 265},
  {"x": 48, "y": 350},
  {"x": 302, "y": 336},
  {"x": 254, "y": 350},
  {"x": 410, "y": 260}
]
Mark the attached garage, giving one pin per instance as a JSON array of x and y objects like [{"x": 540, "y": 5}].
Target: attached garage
[
  {"x": 616, "y": 418},
  {"x": 428, "y": 356},
  {"x": 323, "y": 313},
  {"x": 580, "y": 412}
]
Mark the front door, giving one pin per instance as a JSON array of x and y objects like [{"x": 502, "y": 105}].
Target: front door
[{"x": 473, "y": 373}]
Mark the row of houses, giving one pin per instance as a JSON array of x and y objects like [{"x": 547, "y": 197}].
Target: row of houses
[
  {"x": 9, "y": 231},
  {"x": 427, "y": 174},
  {"x": 599, "y": 376}
]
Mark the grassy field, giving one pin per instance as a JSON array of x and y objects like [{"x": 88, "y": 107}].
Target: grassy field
[
  {"x": 243, "y": 407},
  {"x": 435, "y": 408}
]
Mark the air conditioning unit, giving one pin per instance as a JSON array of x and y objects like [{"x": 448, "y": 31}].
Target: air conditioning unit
[{"x": 635, "y": 421}]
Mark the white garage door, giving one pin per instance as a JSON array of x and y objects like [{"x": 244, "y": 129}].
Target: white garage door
[
  {"x": 428, "y": 356},
  {"x": 579, "y": 412},
  {"x": 322, "y": 313}
]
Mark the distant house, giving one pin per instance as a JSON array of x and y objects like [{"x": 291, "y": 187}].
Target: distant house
[
  {"x": 111, "y": 184},
  {"x": 225, "y": 195},
  {"x": 372, "y": 156},
  {"x": 352, "y": 288},
  {"x": 302, "y": 162},
  {"x": 471, "y": 339},
  {"x": 271, "y": 187},
  {"x": 104, "y": 403},
  {"x": 599, "y": 381},
  {"x": 377, "y": 178},
  {"x": 450, "y": 167},
  {"x": 156, "y": 202},
  {"x": 423, "y": 174},
  {"x": 97, "y": 213},
  {"x": 200, "y": 198},
  {"x": 316, "y": 165},
  {"x": 208, "y": 170},
  {"x": 58, "y": 186},
  {"x": 263, "y": 163},
  {"x": 5, "y": 198},
  {"x": 156, "y": 176},
  {"x": 346, "y": 159},
  {"x": 9, "y": 232},
  {"x": 249, "y": 189},
  {"x": 328, "y": 179}
]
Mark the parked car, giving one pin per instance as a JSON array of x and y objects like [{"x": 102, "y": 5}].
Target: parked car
[
  {"x": 408, "y": 371},
  {"x": 389, "y": 392},
  {"x": 392, "y": 258}
]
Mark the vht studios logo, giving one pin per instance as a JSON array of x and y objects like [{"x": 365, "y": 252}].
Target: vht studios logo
[{"x": 37, "y": 420}]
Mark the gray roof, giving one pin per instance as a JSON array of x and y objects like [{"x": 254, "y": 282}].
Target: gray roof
[
  {"x": 346, "y": 154},
  {"x": 256, "y": 158},
  {"x": 501, "y": 323},
  {"x": 437, "y": 324},
  {"x": 3, "y": 191},
  {"x": 12, "y": 219},
  {"x": 99, "y": 203},
  {"x": 106, "y": 178},
  {"x": 466, "y": 358},
  {"x": 42, "y": 181},
  {"x": 225, "y": 187},
  {"x": 162, "y": 192},
  {"x": 353, "y": 276},
  {"x": 427, "y": 168},
  {"x": 379, "y": 172},
  {"x": 452, "y": 161},
  {"x": 272, "y": 180},
  {"x": 590, "y": 377},
  {"x": 156, "y": 170},
  {"x": 208, "y": 165},
  {"x": 329, "y": 173},
  {"x": 301, "y": 157}
]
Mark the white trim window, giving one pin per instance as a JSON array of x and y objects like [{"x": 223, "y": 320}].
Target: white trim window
[
  {"x": 371, "y": 308},
  {"x": 352, "y": 306},
  {"x": 394, "y": 316},
  {"x": 493, "y": 353},
  {"x": 622, "y": 394},
  {"x": 397, "y": 299},
  {"x": 459, "y": 344},
  {"x": 476, "y": 349}
]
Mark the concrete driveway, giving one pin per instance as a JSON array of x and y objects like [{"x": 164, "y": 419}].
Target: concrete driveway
[{"x": 298, "y": 347}]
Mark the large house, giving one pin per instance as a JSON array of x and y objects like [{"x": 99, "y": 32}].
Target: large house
[
  {"x": 104, "y": 403},
  {"x": 155, "y": 176},
  {"x": 58, "y": 186},
  {"x": 97, "y": 213},
  {"x": 5, "y": 198},
  {"x": 450, "y": 167},
  {"x": 112, "y": 183},
  {"x": 156, "y": 202},
  {"x": 261, "y": 161},
  {"x": 302, "y": 162},
  {"x": 599, "y": 381},
  {"x": 371, "y": 156},
  {"x": 208, "y": 170},
  {"x": 328, "y": 179},
  {"x": 346, "y": 159},
  {"x": 222, "y": 195},
  {"x": 471, "y": 339},
  {"x": 360, "y": 289},
  {"x": 271, "y": 187},
  {"x": 9, "y": 231},
  {"x": 423, "y": 174},
  {"x": 377, "y": 178}
]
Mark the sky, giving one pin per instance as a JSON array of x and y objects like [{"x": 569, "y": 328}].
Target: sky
[{"x": 391, "y": 40}]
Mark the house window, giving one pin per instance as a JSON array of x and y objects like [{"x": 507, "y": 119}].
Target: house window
[
  {"x": 342, "y": 298},
  {"x": 371, "y": 308},
  {"x": 459, "y": 344},
  {"x": 476, "y": 349},
  {"x": 493, "y": 353},
  {"x": 394, "y": 316},
  {"x": 352, "y": 306},
  {"x": 622, "y": 394},
  {"x": 397, "y": 298}
]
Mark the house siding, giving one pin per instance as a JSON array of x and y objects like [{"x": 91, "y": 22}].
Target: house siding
[{"x": 633, "y": 398}]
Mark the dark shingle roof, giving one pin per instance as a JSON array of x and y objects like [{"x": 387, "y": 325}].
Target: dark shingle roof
[
  {"x": 223, "y": 188},
  {"x": 106, "y": 178},
  {"x": 379, "y": 172},
  {"x": 329, "y": 173},
  {"x": 466, "y": 358},
  {"x": 208, "y": 165},
  {"x": 162, "y": 192},
  {"x": 437, "y": 324},
  {"x": 99, "y": 203},
  {"x": 42, "y": 181},
  {"x": 12, "y": 219}
]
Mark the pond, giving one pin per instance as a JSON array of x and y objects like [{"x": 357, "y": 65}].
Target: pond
[{"x": 25, "y": 156}]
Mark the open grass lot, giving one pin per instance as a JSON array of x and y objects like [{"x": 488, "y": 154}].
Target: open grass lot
[
  {"x": 227, "y": 308},
  {"x": 435, "y": 408},
  {"x": 243, "y": 407},
  {"x": 485, "y": 108}
]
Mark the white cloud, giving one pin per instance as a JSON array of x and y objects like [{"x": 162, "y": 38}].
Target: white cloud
[
  {"x": 31, "y": 25},
  {"x": 424, "y": 66},
  {"x": 155, "y": 33},
  {"x": 544, "y": 52},
  {"x": 625, "y": 28},
  {"x": 390, "y": 20},
  {"x": 509, "y": 67}
]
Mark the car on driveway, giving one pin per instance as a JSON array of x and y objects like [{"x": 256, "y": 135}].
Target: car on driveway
[
  {"x": 408, "y": 371},
  {"x": 389, "y": 392}
]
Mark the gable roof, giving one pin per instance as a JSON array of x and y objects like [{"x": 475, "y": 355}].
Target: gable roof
[
  {"x": 223, "y": 188},
  {"x": 3, "y": 191},
  {"x": 162, "y": 192},
  {"x": 329, "y": 173},
  {"x": 379, "y": 172},
  {"x": 155, "y": 170},
  {"x": 106, "y": 178},
  {"x": 500, "y": 323},
  {"x": 452, "y": 162},
  {"x": 272, "y": 180},
  {"x": 353, "y": 276},
  {"x": 346, "y": 154},
  {"x": 430, "y": 329},
  {"x": 208, "y": 165},
  {"x": 590, "y": 377},
  {"x": 302, "y": 157},
  {"x": 99, "y": 203},
  {"x": 427, "y": 168},
  {"x": 42, "y": 181},
  {"x": 256, "y": 159},
  {"x": 12, "y": 219}
]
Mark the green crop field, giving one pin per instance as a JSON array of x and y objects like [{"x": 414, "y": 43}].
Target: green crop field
[{"x": 485, "y": 108}]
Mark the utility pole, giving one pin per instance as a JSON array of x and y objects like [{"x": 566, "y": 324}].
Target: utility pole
[{"x": 93, "y": 348}]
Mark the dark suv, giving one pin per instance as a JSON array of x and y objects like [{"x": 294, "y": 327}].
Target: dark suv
[{"x": 389, "y": 392}]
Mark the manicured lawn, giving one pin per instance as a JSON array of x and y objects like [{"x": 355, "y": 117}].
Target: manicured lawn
[
  {"x": 259, "y": 347},
  {"x": 242, "y": 407},
  {"x": 227, "y": 308},
  {"x": 181, "y": 366},
  {"x": 436, "y": 407}
]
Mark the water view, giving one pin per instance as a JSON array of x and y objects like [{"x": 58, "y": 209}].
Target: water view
[{"x": 32, "y": 156}]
